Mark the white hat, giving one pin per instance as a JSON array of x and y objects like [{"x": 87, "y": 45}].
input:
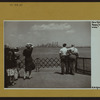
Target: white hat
[{"x": 29, "y": 45}]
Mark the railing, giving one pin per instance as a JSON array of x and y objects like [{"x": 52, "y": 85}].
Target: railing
[
  {"x": 47, "y": 62},
  {"x": 83, "y": 65}
]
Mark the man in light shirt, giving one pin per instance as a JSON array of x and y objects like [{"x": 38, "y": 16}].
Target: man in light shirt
[
  {"x": 73, "y": 58},
  {"x": 74, "y": 50},
  {"x": 63, "y": 57}
]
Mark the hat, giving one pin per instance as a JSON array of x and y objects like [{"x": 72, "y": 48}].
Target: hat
[
  {"x": 72, "y": 45},
  {"x": 29, "y": 45},
  {"x": 7, "y": 46}
]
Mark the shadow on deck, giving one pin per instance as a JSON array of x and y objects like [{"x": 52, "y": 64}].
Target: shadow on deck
[{"x": 51, "y": 78}]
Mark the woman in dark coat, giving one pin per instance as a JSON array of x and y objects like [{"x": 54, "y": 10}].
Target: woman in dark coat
[{"x": 28, "y": 60}]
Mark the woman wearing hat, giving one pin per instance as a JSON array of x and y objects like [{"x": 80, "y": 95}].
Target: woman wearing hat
[{"x": 29, "y": 65}]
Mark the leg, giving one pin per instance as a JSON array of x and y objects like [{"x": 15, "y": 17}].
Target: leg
[
  {"x": 18, "y": 73},
  {"x": 12, "y": 80},
  {"x": 73, "y": 67},
  {"x": 38, "y": 68},
  {"x": 8, "y": 81},
  {"x": 18, "y": 70},
  {"x": 30, "y": 74},
  {"x": 67, "y": 67},
  {"x": 25, "y": 74},
  {"x": 62, "y": 67}
]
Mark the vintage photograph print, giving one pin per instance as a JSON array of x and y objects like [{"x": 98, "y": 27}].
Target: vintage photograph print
[{"x": 47, "y": 54}]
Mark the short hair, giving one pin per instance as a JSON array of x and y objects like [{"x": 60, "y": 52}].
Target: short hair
[
  {"x": 64, "y": 45},
  {"x": 72, "y": 45}
]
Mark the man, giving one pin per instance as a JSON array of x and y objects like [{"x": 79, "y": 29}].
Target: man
[
  {"x": 63, "y": 57},
  {"x": 72, "y": 58},
  {"x": 74, "y": 50}
]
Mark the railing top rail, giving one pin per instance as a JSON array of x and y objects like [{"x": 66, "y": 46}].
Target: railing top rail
[
  {"x": 84, "y": 57},
  {"x": 59, "y": 58}
]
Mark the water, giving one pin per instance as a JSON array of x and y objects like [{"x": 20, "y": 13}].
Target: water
[{"x": 54, "y": 52}]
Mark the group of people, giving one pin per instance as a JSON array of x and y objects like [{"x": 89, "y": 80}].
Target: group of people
[
  {"x": 13, "y": 63},
  {"x": 68, "y": 58}
]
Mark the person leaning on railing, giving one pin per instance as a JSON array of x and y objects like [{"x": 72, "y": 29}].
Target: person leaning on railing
[
  {"x": 63, "y": 57},
  {"x": 73, "y": 54}
]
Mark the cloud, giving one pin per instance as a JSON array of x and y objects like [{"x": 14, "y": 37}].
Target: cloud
[
  {"x": 46, "y": 32},
  {"x": 42, "y": 33},
  {"x": 70, "y": 31},
  {"x": 51, "y": 26}
]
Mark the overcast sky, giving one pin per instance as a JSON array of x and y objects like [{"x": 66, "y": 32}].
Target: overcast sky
[{"x": 18, "y": 33}]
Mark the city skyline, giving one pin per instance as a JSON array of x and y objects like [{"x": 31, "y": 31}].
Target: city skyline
[{"x": 18, "y": 33}]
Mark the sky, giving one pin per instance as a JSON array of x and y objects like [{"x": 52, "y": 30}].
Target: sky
[{"x": 18, "y": 33}]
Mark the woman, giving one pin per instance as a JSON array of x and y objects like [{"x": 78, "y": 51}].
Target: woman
[
  {"x": 29, "y": 65},
  {"x": 9, "y": 66},
  {"x": 18, "y": 63}
]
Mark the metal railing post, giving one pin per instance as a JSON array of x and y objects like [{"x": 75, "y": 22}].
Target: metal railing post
[
  {"x": 76, "y": 65},
  {"x": 37, "y": 64},
  {"x": 83, "y": 66}
]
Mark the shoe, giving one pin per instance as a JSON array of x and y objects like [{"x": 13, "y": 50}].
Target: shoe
[
  {"x": 30, "y": 77},
  {"x": 62, "y": 73},
  {"x": 67, "y": 72},
  {"x": 24, "y": 78},
  {"x": 19, "y": 76},
  {"x": 13, "y": 84},
  {"x": 72, "y": 74}
]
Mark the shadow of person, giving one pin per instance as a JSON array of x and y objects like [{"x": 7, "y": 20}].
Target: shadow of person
[{"x": 57, "y": 73}]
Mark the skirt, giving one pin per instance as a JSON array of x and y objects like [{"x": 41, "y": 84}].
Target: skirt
[{"x": 29, "y": 64}]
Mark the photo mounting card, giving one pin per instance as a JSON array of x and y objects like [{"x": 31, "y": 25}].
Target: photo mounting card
[{"x": 39, "y": 47}]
